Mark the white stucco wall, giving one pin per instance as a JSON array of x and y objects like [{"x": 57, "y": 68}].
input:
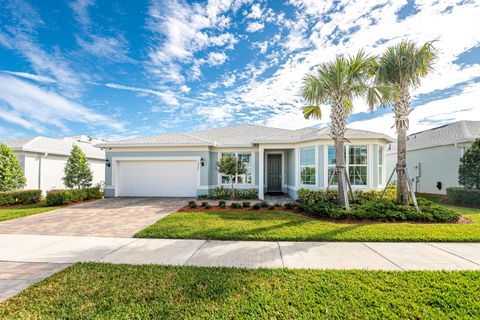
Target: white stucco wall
[
  {"x": 52, "y": 170},
  {"x": 437, "y": 164}
]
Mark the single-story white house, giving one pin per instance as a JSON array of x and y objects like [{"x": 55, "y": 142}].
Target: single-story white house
[
  {"x": 43, "y": 159},
  {"x": 433, "y": 156},
  {"x": 277, "y": 160}
]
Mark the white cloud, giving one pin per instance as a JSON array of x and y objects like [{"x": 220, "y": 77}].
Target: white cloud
[
  {"x": 255, "y": 26},
  {"x": 80, "y": 10},
  {"x": 35, "y": 108},
  {"x": 167, "y": 96},
  {"x": 30, "y": 76},
  {"x": 256, "y": 12},
  {"x": 114, "y": 49},
  {"x": 216, "y": 58},
  {"x": 185, "y": 88}
]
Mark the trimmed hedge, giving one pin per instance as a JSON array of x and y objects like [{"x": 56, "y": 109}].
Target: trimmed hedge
[
  {"x": 464, "y": 196},
  {"x": 368, "y": 205},
  {"x": 10, "y": 198},
  {"x": 225, "y": 193},
  {"x": 66, "y": 196}
]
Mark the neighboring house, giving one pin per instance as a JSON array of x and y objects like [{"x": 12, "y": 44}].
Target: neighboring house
[
  {"x": 277, "y": 160},
  {"x": 433, "y": 155},
  {"x": 43, "y": 159}
]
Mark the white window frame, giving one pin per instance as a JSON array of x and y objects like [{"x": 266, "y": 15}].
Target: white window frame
[
  {"x": 348, "y": 165},
  {"x": 380, "y": 167},
  {"x": 314, "y": 165},
  {"x": 252, "y": 169}
]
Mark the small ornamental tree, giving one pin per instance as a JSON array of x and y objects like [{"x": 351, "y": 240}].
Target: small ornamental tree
[
  {"x": 231, "y": 166},
  {"x": 11, "y": 174},
  {"x": 77, "y": 170},
  {"x": 469, "y": 169}
]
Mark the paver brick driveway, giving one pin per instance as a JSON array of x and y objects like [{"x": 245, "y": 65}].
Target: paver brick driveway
[{"x": 114, "y": 217}]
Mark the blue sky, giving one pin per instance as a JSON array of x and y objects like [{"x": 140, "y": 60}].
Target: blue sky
[{"x": 117, "y": 69}]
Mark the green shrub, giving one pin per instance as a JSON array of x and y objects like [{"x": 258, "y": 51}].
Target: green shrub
[
  {"x": 246, "y": 204},
  {"x": 10, "y": 198},
  {"x": 390, "y": 194},
  {"x": 204, "y": 204},
  {"x": 66, "y": 196},
  {"x": 289, "y": 205},
  {"x": 307, "y": 196},
  {"x": 202, "y": 196},
  {"x": 271, "y": 207},
  {"x": 264, "y": 204},
  {"x": 222, "y": 204},
  {"x": 469, "y": 168},
  {"x": 249, "y": 194},
  {"x": 235, "y": 205},
  {"x": 256, "y": 206},
  {"x": 192, "y": 204},
  {"x": 222, "y": 193},
  {"x": 207, "y": 206},
  {"x": 464, "y": 196},
  {"x": 12, "y": 176}
]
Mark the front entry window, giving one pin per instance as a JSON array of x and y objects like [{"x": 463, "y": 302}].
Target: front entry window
[
  {"x": 355, "y": 163},
  {"x": 246, "y": 158},
  {"x": 307, "y": 166}
]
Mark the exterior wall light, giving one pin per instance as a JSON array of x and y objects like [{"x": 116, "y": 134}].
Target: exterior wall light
[
  {"x": 202, "y": 162},
  {"x": 107, "y": 163}
]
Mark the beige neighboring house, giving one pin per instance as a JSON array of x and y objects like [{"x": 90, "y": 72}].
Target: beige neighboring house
[
  {"x": 43, "y": 159},
  {"x": 433, "y": 156}
]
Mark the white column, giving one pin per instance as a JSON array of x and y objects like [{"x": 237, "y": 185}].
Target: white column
[{"x": 261, "y": 173}]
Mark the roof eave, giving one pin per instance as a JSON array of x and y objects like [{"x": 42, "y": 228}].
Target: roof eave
[{"x": 143, "y": 145}]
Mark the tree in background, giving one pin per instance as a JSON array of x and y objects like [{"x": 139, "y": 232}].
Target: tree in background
[
  {"x": 469, "y": 169},
  {"x": 11, "y": 174},
  {"x": 231, "y": 167},
  {"x": 338, "y": 83},
  {"x": 402, "y": 66},
  {"x": 77, "y": 170}
]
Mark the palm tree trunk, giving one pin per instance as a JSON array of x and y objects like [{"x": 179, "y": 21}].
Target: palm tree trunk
[
  {"x": 340, "y": 164},
  {"x": 402, "y": 109},
  {"x": 338, "y": 115}
]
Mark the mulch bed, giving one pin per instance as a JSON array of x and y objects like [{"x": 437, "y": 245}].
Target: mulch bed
[{"x": 462, "y": 220}]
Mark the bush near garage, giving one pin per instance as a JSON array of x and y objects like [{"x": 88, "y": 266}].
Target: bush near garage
[
  {"x": 66, "y": 196},
  {"x": 465, "y": 196},
  {"x": 370, "y": 206},
  {"x": 10, "y": 198},
  {"x": 222, "y": 193}
]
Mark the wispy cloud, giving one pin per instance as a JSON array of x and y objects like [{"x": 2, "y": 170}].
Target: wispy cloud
[
  {"x": 34, "y": 108},
  {"x": 80, "y": 9},
  {"x": 34, "y": 77},
  {"x": 255, "y": 26},
  {"x": 167, "y": 96}
]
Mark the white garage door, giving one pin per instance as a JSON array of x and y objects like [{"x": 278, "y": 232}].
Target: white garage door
[{"x": 157, "y": 178}]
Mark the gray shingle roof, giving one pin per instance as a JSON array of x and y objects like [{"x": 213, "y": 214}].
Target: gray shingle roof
[
  {"x": 54, "y": 146},
  {"x": 239, "y": 135},
  {"x": 461, "y": 131}
]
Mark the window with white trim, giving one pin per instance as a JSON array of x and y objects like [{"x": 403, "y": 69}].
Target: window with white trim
[
  {"x": 380, "y": 165},
  {"x": 307, "y": 166},
  {"x": 355, "y": 163},
  {"x": 246, "y": 159}
]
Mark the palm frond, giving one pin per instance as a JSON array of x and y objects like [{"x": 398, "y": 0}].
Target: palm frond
[{"x": 312, "y": 112}]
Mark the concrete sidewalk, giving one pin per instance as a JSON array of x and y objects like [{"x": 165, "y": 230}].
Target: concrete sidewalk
[{"x": 42, "y": 255}]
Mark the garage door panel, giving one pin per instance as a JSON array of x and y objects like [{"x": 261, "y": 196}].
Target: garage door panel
[{"x": 157, "y": 178}]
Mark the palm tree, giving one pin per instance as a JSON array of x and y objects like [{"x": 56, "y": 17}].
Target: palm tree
[
  {"x": 338, "y": 83},
  {"x": 402, "y": 66}
]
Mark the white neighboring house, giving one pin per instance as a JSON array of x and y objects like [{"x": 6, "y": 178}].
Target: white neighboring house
[
  {"x": 433, "y": 156},
  {"x": 43, "y": 159}
]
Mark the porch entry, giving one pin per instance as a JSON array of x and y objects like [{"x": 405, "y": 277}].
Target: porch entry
[{"x": 274, "y": 173}]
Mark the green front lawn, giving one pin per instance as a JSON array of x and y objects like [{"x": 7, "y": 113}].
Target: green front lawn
[
  {"x": 104, "y": 291},
  {"x": 286, "y": 226},
  {"x": 21, "y": 211}
]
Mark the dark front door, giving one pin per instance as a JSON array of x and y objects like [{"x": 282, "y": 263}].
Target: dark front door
[{"x": 274, "y": 174}]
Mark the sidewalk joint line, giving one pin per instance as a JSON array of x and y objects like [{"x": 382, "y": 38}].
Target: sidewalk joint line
[
  {"x": 281, "y": 254},
  {"x": 454, "y": 254},
  {"x": 204, "y": 241},
  {"x": 121, "y": 247},
  {"x": 381, "y": 255}
]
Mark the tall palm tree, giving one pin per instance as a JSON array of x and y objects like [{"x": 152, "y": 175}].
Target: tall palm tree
[
  {"x": 402, "y": 66},
  {"x": 338, "y": 83}
]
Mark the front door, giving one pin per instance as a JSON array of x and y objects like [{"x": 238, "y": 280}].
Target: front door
[{"x": 274, "y": 173}]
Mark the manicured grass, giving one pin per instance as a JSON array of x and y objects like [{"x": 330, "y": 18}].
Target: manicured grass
[
  {"x": 21, "y": 211},
  {"x": 286, "y": 226},
  {"x": 103, "y": 291}
]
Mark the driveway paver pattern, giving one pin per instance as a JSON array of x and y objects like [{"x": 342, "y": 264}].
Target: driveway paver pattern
[{"x": 113, "y": 217}]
